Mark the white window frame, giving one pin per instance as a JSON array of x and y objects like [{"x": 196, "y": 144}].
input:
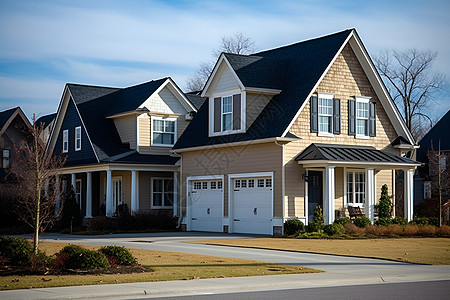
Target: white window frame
[
  {"x": 327, "y": 97},
  {"x": 162, "y": 193},
  {"x": 6, "y": 158},
  {"x": 78, "y": 138},
  {"x": 78, "y": 192},
  {"x": 365, "y": 100},
  {"x": 223, "y": 95},
  {"x": 354, "y": 171},
  {"x": 65, "y": 141},
  {"x": 170, "y": 119}
]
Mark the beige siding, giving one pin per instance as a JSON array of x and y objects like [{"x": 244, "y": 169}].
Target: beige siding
[
  {"x": 255, "y": 104},
  {"x": 339, "y": 189},
  {"x": 231, "y": 160},
  {"x": 145, "y": 189},
  {"x": 224, "y": 79},
  {"x": 165, "y": 102},
  {"x": 345, "y": 79},
  {"x": 383, "y": 177},
  {"x": 126, "y": 127}
]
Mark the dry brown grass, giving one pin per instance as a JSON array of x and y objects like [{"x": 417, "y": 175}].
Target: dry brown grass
[
  {"x": 434, "y": 251},
  {"x": 164, "y": 266}
]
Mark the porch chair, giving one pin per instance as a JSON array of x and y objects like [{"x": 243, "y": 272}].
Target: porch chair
[{"x": 354, "y": 212}]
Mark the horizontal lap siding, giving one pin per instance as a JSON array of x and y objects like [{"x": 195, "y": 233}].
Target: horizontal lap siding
[{"x": 231, "y": 160}]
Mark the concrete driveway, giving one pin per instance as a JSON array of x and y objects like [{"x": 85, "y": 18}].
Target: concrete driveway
[{"x": 339, "y": 270}]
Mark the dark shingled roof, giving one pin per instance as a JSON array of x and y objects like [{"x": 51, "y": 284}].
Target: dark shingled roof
[
  {"x": 400, "y": 141},
  {"x": 136, "y": 158},
  {"x": 439, "y": 132},
  {"x": 330, "y": 152},
  {"x": 46, "y": 120},
  {"x": 102, "y": 131},
  {"x": 195, "y": 99},
  {"x": 83, "y": 93},
  {"x": 296, "y": 69},
  {"x": 5, "y": 115}
]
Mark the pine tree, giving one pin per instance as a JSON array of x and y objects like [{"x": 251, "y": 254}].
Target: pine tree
[{"x": 385, "y": 205}]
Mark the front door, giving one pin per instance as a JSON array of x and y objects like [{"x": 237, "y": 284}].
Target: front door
[
  {"x": 117, "y": 193},
  {"x": 315, "y": 192}
]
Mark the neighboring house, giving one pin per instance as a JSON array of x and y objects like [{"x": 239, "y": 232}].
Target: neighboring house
[
  {"x": 439, "y": 137},
  {"x": 14, "y": 128},
  {"x": 46, "y": 121},
  {"x": 288, "y": 129},
  {"x": 117, "y": 143}
]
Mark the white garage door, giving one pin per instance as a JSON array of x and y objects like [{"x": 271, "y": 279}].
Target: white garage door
[
  {"x": 206, "y": 209},
  {"x": 252, "y": 205}
]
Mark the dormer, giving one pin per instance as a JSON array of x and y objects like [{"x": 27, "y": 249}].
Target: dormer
[{"x": 239, "y": 87}]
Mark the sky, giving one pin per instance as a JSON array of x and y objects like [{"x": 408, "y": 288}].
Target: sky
[{"x": 45, "y": 44}]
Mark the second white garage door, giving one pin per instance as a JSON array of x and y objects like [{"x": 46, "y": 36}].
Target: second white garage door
[
  {"x": 252, "y": 205},
  {"x": 207, "y": 205}
]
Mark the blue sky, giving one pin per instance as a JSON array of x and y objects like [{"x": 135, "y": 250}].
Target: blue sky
[{"x": 45, "y": 44}]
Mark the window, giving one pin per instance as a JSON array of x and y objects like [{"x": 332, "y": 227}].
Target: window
[
  {"x": 325, "y": 115},
  {"x": 227, "y": 113},
  {"x": 244, "y": 183},
  {"x": 65, "y": 141},
  {"x": 78, "y": 191},
  {"x": 260, "y": 182},
  {"x": 205, "y": 185},
  {"x": 213, "y": 185},
  {"x": 237, "y": 183},
  {"x": 362, "y": 118},
  {"x": 269, "y": 182},
  {"x": 443, "y": 163},
  {"x": 251, "y": 183},
  {"x": 427, "y": 190},
  {"x": 162, "y": 192},
  {"x": 163, "y": 131},
  {"x": 6, "y": 153},
  {"x": 197, "y": 185},
  {"x": 356, "y": 188},
  {"x": 219, "y": 185},
  {"x": 77, "y": 138}
]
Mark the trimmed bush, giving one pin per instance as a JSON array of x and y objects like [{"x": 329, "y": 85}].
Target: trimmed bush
[
  {"x": 400, "y": 221},
  {"x": 419, "y": 221},
  {"x": 342, "y": 221},
  {"x": 376, "y": 230},
  {"x": 427, "y": 230},
  {"x": 384, "y": 205},
  {"x": 118, "y": 255},
  {"x": 80, "y": 258},
  {"x": 352, "y": 229},
  {"x": 101, "y": 223},
  {"x": 293, "y": 226},
  {"x": 394, "y": 229},
  {"x": 362, "y": 222},
  {"x": 383, "y": 221},
  {"x": 17, "y": 250},
  {"x": 314, "y": 227},
  {"x": 334, "y": 229},
  {"x": 411, "y": 230},
  {"x": 433, "y": 221},
  {"x": 318, "y": 215},
  {"x": 444, "y": 230}
]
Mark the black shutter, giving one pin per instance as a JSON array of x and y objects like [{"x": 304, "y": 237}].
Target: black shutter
[
  {"x": 217, "y": 115},
  {"x": 372, "y": 119},
  {"x": 314, "y": 115},
  {"x": 336, "y": 116},
  {"x": 351, "y": 117},
  {"x": 237, "y": 112}
]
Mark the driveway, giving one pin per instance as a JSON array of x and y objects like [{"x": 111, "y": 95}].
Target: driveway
[{"x": 339, "y": 270}]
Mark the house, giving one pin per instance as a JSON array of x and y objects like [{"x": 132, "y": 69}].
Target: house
[
  {"x": 47, "y": 123},
  {"x": 117, "y": 142},
  {"x": 14, "y": 128},
  {"x": 287, "y": 129},
  {"x": 435, "y": 139}
]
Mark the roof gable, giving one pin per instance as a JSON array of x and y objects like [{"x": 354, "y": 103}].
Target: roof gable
[
  {"x": 438, "y": 135},
  {"x": 7, "y": 116}
]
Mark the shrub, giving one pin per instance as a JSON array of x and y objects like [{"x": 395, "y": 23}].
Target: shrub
[
  {"x": 427, "y": 230},
  {"x": 419, "y": 221},
  {"x": 400, "y": 221},
  {"x": 318, "y": 215},
  {"x": 362, "y": 222},
  {"x": 433, "y": 221},
  {"x": 342, "y": 221},
  {"x": 81, "y": 258},
  {"x": 383, "y": 221},
  {"x": 293, "y": 226},
  {"x": 118, "y": 255},
  {"x": 334, "y": 229},
  {"x": 17, "y": 250},
  {"x": 71, "y": 214},
  {"x": 411, "y": 230},
  {"x": 384, "y": 205},
  {"x": 352, "y": 229},
  {"x": 314, "y": 227},
  {"x": 444, "y": 230},
  {"x": 376, "y": 230},
  {"x": 101, "y": 223},
  {"x": 394, "y": 229}
]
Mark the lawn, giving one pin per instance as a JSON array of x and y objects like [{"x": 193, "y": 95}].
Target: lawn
[
  {"x": 433, "y": 251},
  {"x": 163, "y": 266}
]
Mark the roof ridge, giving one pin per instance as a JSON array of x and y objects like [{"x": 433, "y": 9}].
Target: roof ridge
[{"x": 93, "y": 86}]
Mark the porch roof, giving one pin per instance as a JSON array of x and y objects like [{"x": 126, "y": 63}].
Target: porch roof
[{"x": 347, "y": 154}]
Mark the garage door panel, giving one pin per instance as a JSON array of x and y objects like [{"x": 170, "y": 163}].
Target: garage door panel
[{"x": 206, "y": 206}]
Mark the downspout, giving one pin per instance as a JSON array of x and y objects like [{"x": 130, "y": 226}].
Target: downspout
[
  {"x": 283, "y": 189},
  {"x": 180, "y": 192}
]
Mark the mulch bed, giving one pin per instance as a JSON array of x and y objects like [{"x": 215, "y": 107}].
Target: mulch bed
[{"x": 12, "y": 270}]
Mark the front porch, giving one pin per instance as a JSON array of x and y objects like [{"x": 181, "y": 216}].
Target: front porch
[{"x": 339, "y": 176}]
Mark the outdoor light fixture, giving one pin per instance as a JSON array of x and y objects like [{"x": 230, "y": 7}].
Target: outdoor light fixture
[{"x": 305, "y": 176}]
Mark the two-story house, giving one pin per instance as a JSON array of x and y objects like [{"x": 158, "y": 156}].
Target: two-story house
[
  {"x": 14, "y": 128},
  {"x": 287, "y": 129},
  {"x": 118, "y": 141}
]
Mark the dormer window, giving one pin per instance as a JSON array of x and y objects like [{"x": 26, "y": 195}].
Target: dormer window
[
  {"x": 163, "y": 131},
  {"x": 78, "y": 138},
  {"x": 65, "y": 141},
  {"x": 227, "y": 114}
]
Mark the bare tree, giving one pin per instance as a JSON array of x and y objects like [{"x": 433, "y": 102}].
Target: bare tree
[
  {"x": 439, "y": 171},
  {"x": 237, "y": 44},
  {"x": 412, "y": 83},
  {"x": 38, "y": 184}
]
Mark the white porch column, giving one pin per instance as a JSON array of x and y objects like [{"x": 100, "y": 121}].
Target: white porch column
[
  {"x": 175, "y": 193},
  {"x": 88, "y": 195},
  {"x": 109, "y": 208},
  {"x": 408, "y": 194},
  {"x": 369, "y": 206},
  {"x": 74, "y": 181},
  {"x": 134, "y": 192},
  {"x": 329, "y": 195}
]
